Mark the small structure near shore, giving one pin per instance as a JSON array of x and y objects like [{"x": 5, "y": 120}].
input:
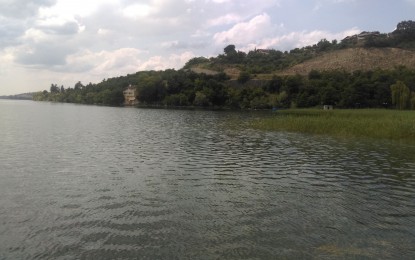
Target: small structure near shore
[
  {"x": 130, "y": 96},
  {"x": 328, "y": 107}
]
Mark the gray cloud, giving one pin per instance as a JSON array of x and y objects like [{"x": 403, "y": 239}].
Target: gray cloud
[
  {"x": 67, "y": 28},
  {"x": 184, "y": 45},
  {"x": 10, "y": 30},
  {"x": 46, "y": 54},
  {"x": 22, "y": 8}
]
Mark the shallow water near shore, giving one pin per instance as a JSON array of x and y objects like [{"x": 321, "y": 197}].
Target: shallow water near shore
[{"x": 89, "y": 182}]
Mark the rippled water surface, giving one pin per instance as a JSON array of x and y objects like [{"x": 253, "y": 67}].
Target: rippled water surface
[{"x": 88, "y": 182}]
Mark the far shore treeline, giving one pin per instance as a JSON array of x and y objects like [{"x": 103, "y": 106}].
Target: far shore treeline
[{"x": 259, "y": 83}]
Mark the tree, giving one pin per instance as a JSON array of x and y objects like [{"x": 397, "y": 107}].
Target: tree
[
  {"x": 323, "y": 45},
  {"x": 54, "y": 88},
  {"x": 230, "y": 50},
  {"x": 405, "y": 31},
  {"x": 400, "y": 95},
  {"x": 78, "y": 86},
  {"x": 314, "y": 74},
  {"x": 282, "y": 99},
  {"x": 405, "y": 26},
  {"x": 244, "y": 77},
  {"x": 201, "y": 99},
  {"x": 412, "y": 101}
]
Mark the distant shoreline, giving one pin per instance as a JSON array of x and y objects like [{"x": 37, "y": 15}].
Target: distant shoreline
[{"x": 24, "y": 96}]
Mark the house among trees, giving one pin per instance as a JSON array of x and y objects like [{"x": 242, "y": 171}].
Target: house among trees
[
  {"x": 130, "y": 96},
  {"x": 365, "y": 35},
  {"x": 361, "y": 38}
]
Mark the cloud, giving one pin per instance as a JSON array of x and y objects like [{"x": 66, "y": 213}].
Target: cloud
[
  {"x": 224, "y": 20},
  {"x": 175, "y": 61},
  {"x": 176, "y": 45},
  {"x": 200, "y": 34},
  {"x": 74, "y": 8},
  {"x": 10, "y": 31},
  {"x": 136, "y": 11},
  {"x": 121, "y": 60},
  {"x": 220, "y": 1},
  {"x": 246, "y": 32},
  {"x": 45, "y": 54},
  {"x": 22, "y": 8},
  {"x": 65, "y": 28},
  {"x": 321, "y": 3}
]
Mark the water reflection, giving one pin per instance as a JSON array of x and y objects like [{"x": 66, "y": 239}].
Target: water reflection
[{"x": 105, "y": 183}]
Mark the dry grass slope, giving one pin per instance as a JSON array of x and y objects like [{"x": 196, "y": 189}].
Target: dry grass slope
[{"x": 355, "y": 59}]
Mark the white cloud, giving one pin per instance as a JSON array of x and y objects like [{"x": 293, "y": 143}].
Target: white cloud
[
  {"x": 73, "y": 8},
  {"x": 136, "y": 11},
  {"x": 220, "y": 1},
  {"x": 170, "y": 44},
  {"x": 34, "y": 35},
  {"x": 224, "y": 20},
  {"x": 104, "y": 64},
  {"x": 200, "y": 34},
  {"x": 175, "y": 61},
  {"x": 123, "y": 60},
  {"x": 246, "y": 32}
]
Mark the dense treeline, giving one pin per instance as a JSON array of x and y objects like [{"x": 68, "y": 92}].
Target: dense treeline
[
  {"x": 159, "y": 88},
  {"x": 105, "y": 93},
  {"x": 371, "y": 89}
]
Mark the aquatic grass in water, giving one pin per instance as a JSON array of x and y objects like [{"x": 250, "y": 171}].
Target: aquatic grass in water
[{"x": 375, "y": 123}]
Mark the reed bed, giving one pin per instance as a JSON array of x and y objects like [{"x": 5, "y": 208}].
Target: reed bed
[{"x": 373, "y": 123}]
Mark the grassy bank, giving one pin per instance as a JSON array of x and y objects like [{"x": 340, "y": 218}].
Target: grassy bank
[{"x": 373, "y": 123}]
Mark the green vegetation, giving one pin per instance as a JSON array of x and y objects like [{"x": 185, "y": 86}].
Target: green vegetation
[
  {"x": 155, "y": 88},
  {"x": 373, "y": 123},
  {"x": 256, "y": 81},
  {"x": 370, "y": 89}
]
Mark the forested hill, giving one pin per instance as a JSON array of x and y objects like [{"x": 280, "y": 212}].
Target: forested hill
[{"x": 368, "y": 70}]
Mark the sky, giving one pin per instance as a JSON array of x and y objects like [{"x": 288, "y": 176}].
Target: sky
[{"x": 66, "y": 41}]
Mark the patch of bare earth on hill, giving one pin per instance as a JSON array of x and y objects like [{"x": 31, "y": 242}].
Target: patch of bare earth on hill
[
  {"x": 232, "y": 72},
  {"x": 355, "y": 59},
  {"x": 205, "y": 71}
]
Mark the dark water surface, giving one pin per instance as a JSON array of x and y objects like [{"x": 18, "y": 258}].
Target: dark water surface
[{"x": 89, "y": 182}]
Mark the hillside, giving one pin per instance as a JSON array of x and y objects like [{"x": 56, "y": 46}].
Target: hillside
[
  {"x": 349, "y": 60},
  {"x": 312, "y": 76},
  {"x": 365, "y": 51},
  {"x": 353, "y": 59}
]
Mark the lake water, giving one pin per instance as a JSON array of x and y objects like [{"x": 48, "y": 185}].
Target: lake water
[{"x": 90, "y": 182}]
